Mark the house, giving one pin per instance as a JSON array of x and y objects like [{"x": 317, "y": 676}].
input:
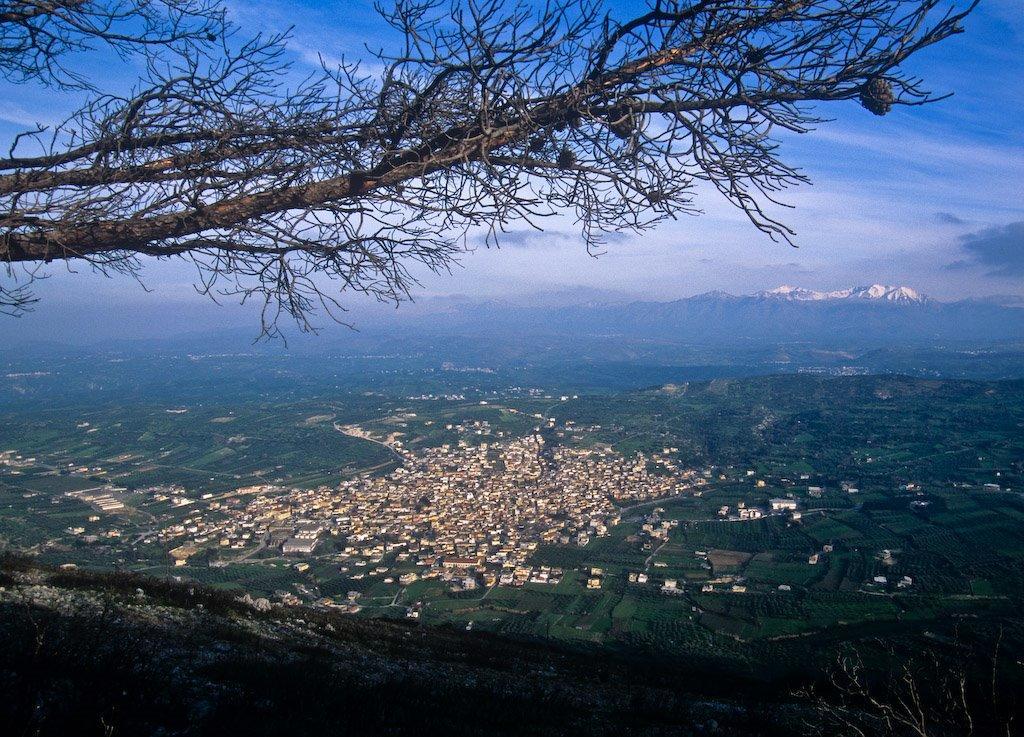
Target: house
[
  {"x": 182, "y": 553},
  {"x": 456, "y": 562},
  {"x": 783, "y": 505},
  {"x": 671, "y": 586},
  {"x": 299, "y": 546}
]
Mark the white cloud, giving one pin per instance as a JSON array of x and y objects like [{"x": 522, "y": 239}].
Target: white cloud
[{"x": 19, "y": 116}]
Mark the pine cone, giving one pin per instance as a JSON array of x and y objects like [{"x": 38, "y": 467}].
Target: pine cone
[
  {"x": 877, "y": 96},
  {"x": 623, "y": 128}
]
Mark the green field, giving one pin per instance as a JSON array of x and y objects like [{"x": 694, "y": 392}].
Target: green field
[{"x": 919, "y": 455}]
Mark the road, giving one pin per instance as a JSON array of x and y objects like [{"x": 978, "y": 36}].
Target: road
[
  {"x": 343, "y": 431},
  {"x": 647, "y": 562}
]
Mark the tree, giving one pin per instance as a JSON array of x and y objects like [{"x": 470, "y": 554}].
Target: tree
[
  {"x": 488, "y": 114},
  {"x": 950, "y": 688}
]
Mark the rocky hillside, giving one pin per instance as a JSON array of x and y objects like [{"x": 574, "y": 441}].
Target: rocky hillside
[{"x": 87, "y": 653}]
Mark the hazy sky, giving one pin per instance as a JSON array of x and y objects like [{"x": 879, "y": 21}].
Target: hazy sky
[{"x": 930, "y": 197}]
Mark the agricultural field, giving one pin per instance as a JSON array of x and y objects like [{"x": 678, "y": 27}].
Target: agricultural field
[{"x": 907, "y": 495}]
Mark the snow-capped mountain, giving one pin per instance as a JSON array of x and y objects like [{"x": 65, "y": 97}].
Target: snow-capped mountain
[
  {"x": 874, "y": 291},
  {"x": 867, "y": 316}
]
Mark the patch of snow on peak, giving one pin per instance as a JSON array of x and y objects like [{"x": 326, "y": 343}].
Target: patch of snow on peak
[
  {"x": 887, "y": 293},
  {"x": 792, "y": 293},
  {"x": 874, "y": 292}
]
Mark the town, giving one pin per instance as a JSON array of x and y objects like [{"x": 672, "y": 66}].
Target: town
[
  {"x": 605, "y": 517},
  {"x": 471, "y": 515}
]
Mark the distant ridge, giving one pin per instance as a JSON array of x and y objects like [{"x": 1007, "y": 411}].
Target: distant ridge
[
  {"x": 870, "y": 316},
  {"x": 874, "y": 315}
]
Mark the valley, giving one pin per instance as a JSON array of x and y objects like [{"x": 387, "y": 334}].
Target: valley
[{"x": 733, "y": 522}]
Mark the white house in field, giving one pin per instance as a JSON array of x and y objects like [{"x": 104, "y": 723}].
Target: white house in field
[{"x": 783, "y": 505}]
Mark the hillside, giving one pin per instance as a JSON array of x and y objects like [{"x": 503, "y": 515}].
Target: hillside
[{"x": 85, "y": 653}]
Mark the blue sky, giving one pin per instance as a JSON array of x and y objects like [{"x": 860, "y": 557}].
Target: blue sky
[{"x": 930, "y": 197}]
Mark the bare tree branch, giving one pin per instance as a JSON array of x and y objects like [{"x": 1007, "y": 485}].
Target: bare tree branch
[
  {"x": 38, "y": 36},
  {"x": 941, "y": 690},
  {"x": 487, "y": 113}
]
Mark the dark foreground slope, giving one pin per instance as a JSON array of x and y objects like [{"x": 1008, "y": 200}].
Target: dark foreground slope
[{"x": 115, "y": 654}]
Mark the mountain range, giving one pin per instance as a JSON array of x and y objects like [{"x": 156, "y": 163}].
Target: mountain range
[
  {"x": 863, "y": 317},
  {"x": 876, "y": 315},
  {"x": 875, "y": 292}
]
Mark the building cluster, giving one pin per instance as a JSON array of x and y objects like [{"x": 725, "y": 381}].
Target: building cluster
[
  {"x": 12, "y": 459},
  {"x": 472, "y": 514},
  {"x": 105, "y": 498},
  {"x": 776, "y": 506}
]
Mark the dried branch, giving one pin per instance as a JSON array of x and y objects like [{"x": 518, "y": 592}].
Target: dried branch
[
  {"x": 37, "y": 37},
  {"x": 489, "y": 113},
  {"x": 941, "y": 690}
]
